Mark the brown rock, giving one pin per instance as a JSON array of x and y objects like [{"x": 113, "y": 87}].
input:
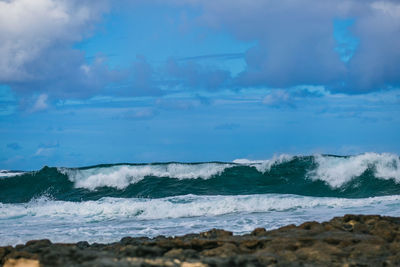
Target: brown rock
[
  {"x": 216, "y": 233},
  {"x": 4, "y": 251},
  {"x": 259, "y": 232},
  {"x": 226, "y": 250},
  {"x": 351, "y": 240},
  {"x": 181, "y": 253}
]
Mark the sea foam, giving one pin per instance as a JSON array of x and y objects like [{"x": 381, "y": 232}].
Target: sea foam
[
  {"x": 6, "y": 173},
  {"x": 265, "y": 165},
  {"x": 121, "y": 176},
  {"x": 109, "y": 219},
  {"x": 181, "y": 206},
  {"x": 336, "y": 171}
]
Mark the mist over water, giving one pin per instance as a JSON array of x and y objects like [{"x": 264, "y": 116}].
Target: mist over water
[{"x": 106, "y": 202}]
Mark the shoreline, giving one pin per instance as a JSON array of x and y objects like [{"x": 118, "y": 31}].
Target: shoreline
[{"x": 359, "y": 240}]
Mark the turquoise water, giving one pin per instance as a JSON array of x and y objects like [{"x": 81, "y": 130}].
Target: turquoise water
[{"x": 107, "y": 202}]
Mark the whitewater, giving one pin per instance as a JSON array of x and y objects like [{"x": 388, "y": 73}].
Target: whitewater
[{"x": 104, "y": 203}]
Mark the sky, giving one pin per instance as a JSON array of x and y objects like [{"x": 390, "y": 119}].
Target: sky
[{"x": 90, "y": 82}]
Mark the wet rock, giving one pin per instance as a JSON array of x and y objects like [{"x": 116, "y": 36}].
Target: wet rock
[
  {"x": 259, "y": 232},
  {"x": 38, "y": 243},
  {"x": 82, "y": 245}
]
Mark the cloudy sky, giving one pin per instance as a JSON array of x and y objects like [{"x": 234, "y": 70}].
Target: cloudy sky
[{"x": 89, "y": 82}]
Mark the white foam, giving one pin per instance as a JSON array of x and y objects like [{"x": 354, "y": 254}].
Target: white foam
[
  {"x": 6, "y": 173},
  {"x": 336, "y": 171},
  {"x": 265, "y": 165},
  {"x": 110, "y": 219},
  {"x": 179, "y": 207},
  {"x": 123, "y": 175}
]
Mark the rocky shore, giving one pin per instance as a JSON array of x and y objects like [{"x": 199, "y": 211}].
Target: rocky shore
[{"x": 351, "y": 240}]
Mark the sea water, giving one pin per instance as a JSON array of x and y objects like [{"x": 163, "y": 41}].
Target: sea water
[{"x": 107, "y": 202}]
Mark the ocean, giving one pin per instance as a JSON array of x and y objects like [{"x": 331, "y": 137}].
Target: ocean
[{"x": 106, "y": 202}]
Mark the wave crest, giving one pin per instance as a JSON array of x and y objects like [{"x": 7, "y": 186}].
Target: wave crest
[
  {"x": 122, "y": 176},
  {"x": 364, "y": 175},
  {"x": 337, "y": 171},
  {"x": 265, "y": 165},
  {"x": 6, "y": 173}
]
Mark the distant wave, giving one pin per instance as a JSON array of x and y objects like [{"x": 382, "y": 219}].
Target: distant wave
[{"x": 364, "y": 175}]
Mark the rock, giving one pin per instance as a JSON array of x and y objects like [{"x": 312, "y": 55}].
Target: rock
[
  {"x": 179, "y": 253},
  {"x": 142, "y": 251},
  {"x": 82, "y": 244},
  {"x": 259, "y": 232},
  {"x": 38, "y": 243},
  {"x": 4, "y": 251},
  {"x": 21, "y": 263},
  {"x": 224, "y": 251},
  {"x": 351, "y": 240},
  {"x": 216, "y": 233},
  {"x": 250, "y": 244},
  {"x": 193, "y": 264}
]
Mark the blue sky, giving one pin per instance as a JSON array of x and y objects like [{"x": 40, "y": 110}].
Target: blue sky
[{"x": 90, "y": 82}]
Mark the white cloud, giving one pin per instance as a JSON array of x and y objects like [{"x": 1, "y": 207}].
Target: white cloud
[
  {"x": 40, "y": 103},
  {"x": 28, "y": 28},
  {"x": 277, "y": 98},
  {"x": 36, "y": 45},
  {"x": 295, "y": 42},
  {"x": 389, "y": 8}
]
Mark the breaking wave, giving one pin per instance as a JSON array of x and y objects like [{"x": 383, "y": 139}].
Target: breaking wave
[
  {"x": 122, "y": 176},
  {"x": 359, "y": 176},
  {"x": 181, "y": 206}
]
